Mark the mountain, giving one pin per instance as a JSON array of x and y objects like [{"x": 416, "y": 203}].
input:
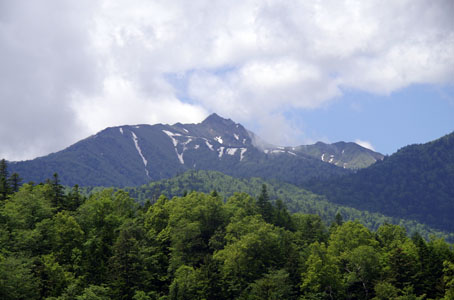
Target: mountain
[
  {"x": 135, "y": 155},
  {"x": 416, "y": 182},
  {"x": 342, "y": 154}
]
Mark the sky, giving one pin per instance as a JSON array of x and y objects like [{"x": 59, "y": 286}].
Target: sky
[{"x": 379, "y": 73}]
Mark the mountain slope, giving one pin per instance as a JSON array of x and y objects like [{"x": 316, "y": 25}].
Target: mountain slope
[
  {"x": 134, "y": 155},
  {"x": 416, "y": 182}
]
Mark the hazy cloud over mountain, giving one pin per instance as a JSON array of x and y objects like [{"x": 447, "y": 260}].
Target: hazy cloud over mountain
[{"x": 71, "y": 68}]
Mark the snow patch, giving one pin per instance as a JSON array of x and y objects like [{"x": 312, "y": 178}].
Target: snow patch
[
  {"x": 237, "y": 137},
  {"x": 331, "y": 160},
  {"x": 137, "y": 126},
  {"x": 292, "y": 153},
  {"x": 221, "y": 151},
  {"x": 243, "y": 150},
  {"x": 180, "y": 156},
  {"x": 323, "y": 157},
  {"x": 171, "y": 136},
  {"x": 185, "y": 130},
  {"x": 121, "y": 130},
  {"x": 196, "y": 147},
  {"x": 175, "y": 143},
  {"x": 277, "y": 151},
  {"x": 209, "y": 145},
  {"x": 219, "y": 139},
  {"x": 266, "y": 151},
  {"x": 244, "y": 141},
  {"x": 231, "y": 151},
  {"x": 343, "y": 151},
  {"x": 136, "y": 143}
]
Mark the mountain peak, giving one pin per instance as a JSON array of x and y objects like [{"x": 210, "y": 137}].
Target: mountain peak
[{"x": 216, "y": 119}]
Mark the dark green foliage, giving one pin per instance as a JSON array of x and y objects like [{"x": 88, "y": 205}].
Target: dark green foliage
[
  {"x": 264, "y": 204},
  {"x": 15, "y": 182},
  {"x": 273, "y": 286},
  {"x": 17, "y": 280},
  {"x": 5, "y": 188},
  {"x": 416, "y": 182},
  {"x": 57, "y": 191}
]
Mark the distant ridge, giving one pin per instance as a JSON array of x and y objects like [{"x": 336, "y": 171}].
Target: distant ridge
[{"x": 415, "y": 182}]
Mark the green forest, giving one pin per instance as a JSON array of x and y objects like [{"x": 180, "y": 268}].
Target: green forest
[
  {"x": 296, "y": 199},
  {"x": 64, "y": 245}
]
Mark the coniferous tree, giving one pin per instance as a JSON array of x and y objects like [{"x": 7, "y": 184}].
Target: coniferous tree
[
  {"x": 5, "y": 189},
  {"x": 15, "y": 181},
  {"x": 265, "y": 207},
  {"x": 74, "y": 199},
  {"x": 57, "y": 192}
]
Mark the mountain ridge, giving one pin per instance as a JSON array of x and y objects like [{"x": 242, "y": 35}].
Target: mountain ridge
[{"x": 131, "y": 155}]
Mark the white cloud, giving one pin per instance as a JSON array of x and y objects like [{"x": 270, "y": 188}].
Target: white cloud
[
  {"x": 71, "y": 68},
  {"x": 365, "y": 144},
  {"x": 120, "y": 103}
]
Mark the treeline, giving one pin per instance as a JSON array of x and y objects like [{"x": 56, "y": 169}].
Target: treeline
[{"x": 107, "y": 246}]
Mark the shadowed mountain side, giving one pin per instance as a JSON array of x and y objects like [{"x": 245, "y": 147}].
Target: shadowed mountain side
[{"x": 416, "y": 182}]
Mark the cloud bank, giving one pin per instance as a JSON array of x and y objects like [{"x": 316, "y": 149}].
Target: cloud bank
[{"x": 69, "y": 68}]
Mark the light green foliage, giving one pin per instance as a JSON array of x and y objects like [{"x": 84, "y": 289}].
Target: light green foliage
[
  {"x": 275, "y": 285},
  {"x": 391, "y": 236},
  {"x": 68, "y": 236},
  {"x": 385, "y": 291},
  {"x": 55, "y": 277},
  {"x": 253, "y": 247},
  {"x": 321, "y": 277},
  {"x": 448, "y": 278},
  {"x": 26, "y": 216},
  {"x": 140, "y": 295},
  {"x": 362, "y": 267},
  {"x": 348, "y": 237},
  {"x": 185, "y": 286},
  {"x": 95, "y": 292},
  {"x": 193, "y": 220},
  {"x": 198, "y": 247},
  {"x": 28, "y": 206},
  {"x": 241, "y": 205}
]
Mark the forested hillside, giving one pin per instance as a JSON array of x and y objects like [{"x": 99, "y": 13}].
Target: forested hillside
[
  {"x": 56, "y": 246},
  {"x": 297, "y": 200},
  {"x": 416, "y": 182}
]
